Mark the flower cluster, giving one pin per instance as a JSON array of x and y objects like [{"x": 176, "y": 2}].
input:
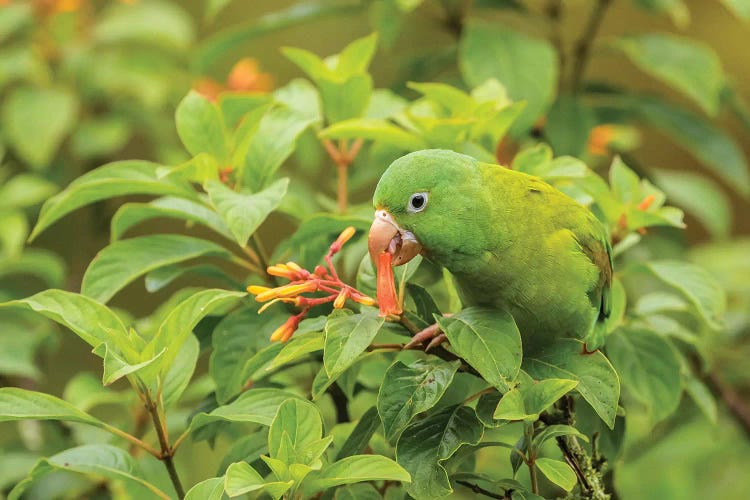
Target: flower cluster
[
  {"x": 245, "y": 76},
  {"x": 324, "y": 281}
]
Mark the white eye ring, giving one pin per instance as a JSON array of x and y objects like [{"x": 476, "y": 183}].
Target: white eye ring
[{"x": 417, "y": 202}]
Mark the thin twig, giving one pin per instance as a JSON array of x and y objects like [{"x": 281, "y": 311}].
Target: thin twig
[
  {"x": 481, "y": 491},
  {"x": 166, "y": 451},
  {"x": 133, "y": 440},
  {"x": 734, "y": 402},
  {"x": 478, "y": 395},
  {"x": 583, "y": 47},
  {"x": 534, "y": 480},
  {"x": 554, "y": 11}
]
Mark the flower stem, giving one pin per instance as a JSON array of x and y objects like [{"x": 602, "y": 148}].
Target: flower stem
[
  {"x": 166, "y": 451},
  {"x": 583, "y": 47}
]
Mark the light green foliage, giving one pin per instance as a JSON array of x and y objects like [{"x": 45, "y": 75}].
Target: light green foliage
[{"x": 235, "y": 182}]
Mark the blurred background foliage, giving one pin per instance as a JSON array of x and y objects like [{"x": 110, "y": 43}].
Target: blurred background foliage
[{"x": 665, "y": 85}]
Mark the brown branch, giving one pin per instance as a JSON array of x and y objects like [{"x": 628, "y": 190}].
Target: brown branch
[
  {"x": 481, "y": 491},
  {"x": 583, "y": 47},
  {"x": 340, "y": 402},
  {"x": 734, "y": 402},
  {"x": 167, "y": 452},
  {"x": 554, "y": 11}
]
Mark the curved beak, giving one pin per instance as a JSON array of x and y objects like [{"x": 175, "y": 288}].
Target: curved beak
[{"x": 386, "y": 236}]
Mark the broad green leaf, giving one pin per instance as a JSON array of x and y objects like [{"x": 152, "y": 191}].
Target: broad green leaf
[
  {"x": 37, "y": 262},
  {"x": 248, "y": 449},
  {"x": 527, "y": 67},
  {"x": 237, "y": 354},
  {"x": 35, "y": 122},
  {"x": 684, "y": 64},
  {"x": 597, "y": 380},
  {"x": 740, "y": 8},
  {"x": 408, "y": 390},
  {"x": 115, "y": 364},
  {"x": 301, "y": 96},
  {"x": 299, "y": 347},
  {"x": 702, "y": 397},
  {"x": 557, "y": 430},
  {"x": 361, "y": 435},
  {"x": 345, "y": 100},
  {"x": 558, "y": 472},
  {"x": 179, "y": 324},
  {"x": 696, "y": 284},
  {"x": 85, "y": 391},
  {"x": 164, "y": 276},
  {"x": 675, "y": 9},
  {"x": 201, "y": 127},
  {"x": 155, "y": 23},
  {"x": 123, "y": 261},
  {"x": 244, "y": 213},
  {"x": 378, "y": 130},
  {"x": 213, "y": 7},
  {"x": 90, "y": 320},
  {"x": 208, "y": 489},
  {"x": 489, "y": 340},
  {"x": 271, "y": 145},
  {"x": 20, "y": 404},
  {"x": 14, "y": 17},
  {"x": 569, "y": 123},
  {"x": 649, "y": 369},
  {"x": 114, "y": 179},
  {"x": 255, "y": 405},
  {"x": 241, "y": 478},
  {"x": 708, "y": 143},
  {"x": 527, "y": 402},
  {"x": 699, "y": 196},
  {"x": 356, "y": 469},
  {"x": 25, "y": 190},
  {"x": 180, "y": 370},
  {"x": 98, "y": 459},
  {"x": 100, "y": 137},
  {"x": 625, "y": 183},
  {"x": 425, "y": 444},
  {"x": 456, "y": 101},
  {"x": 13, "y": 232},
  {"x": 361, "y": 491},
  {"x": 347, "y": 336},
  {"x": 131, "y": 214},
  {"x": 299, "y": 420},
  {"x": 356, "y": 57}
]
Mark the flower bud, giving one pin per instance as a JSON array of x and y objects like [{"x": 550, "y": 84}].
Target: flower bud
[
  {"x": 341, "y": 299},
  {"x": 345, "y": 236}
]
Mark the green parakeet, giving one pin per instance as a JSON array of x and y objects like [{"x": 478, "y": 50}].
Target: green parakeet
[{"x": 510, "y": 240}]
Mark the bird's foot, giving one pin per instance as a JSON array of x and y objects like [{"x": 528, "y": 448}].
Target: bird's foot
[{"x": 432, "y": 333}]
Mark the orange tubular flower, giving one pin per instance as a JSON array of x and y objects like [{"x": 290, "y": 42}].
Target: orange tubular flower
[
  {"x": 599, "y": 138},
  {"x": 647, "y": 202},
  {"x": 285, "y": 331},
  {"x": 387, "y": 297}
]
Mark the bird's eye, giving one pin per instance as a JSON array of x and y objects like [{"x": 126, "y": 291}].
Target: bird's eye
[{"x": 417, "y": 202}]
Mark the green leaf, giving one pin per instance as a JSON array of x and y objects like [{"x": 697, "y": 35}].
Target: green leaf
[
  {"x": 131, "y": 214},
  {"x": 740, "y": 8},
  {"x": 244, "y": 213},
  {"x": 408, "y": 390},
  {"x": 489, "y": 340},
  {"x": 649, "y": 369},
  {"x": 90, "y": 320},
  {"x": 527, "y": 67},
  {"x": 569, "y": 123},
  {"x": 379, "y": 130},
  {"x": 299, "y": 347},
  {"x": 208, "y": 489},
  {"x": 597, "y": 380},
  {"x": 557, "y": 430},
  {"x": 20, "y": 404},
  {"x": 699, "y": 196},
  {"x": 123, "y": 261},
  {"x": 345, "y": 100},
  {"x": 425, "y": 444},
  {"x": 241, "y": 478},
  {"x": 271, "y": 145},
  {"x": 236, "y": 356},
  {"x": 85, "y": 391},
  {"x": 255, "y": 405},
  {"x": 684, "y": 64},
  {"x": 179, "y": 370},
  {"x": 360, "y": 437},
  {"x": 36, "y": 121},
  {"x": 356, "y": 469},
  {"x": 201, "y": 127},
  {"x": 114, "y": 179},
  {"x": 40, "y": 263},
  {"x": 696, "y": 284},
  {"x": 115, "y": 364},
  {"x": 675, "y": 9},
  {"x": 702, "y": 397},
  {"x": 100, "y": 137},
  {"x": 347, "y": 336},
  {"x": 558, "y": 472},
  {"x": 299, "y": 420},
  {"x": 356, "y": 57},
  {"x": 178, "y": 325},
  {"x": 526, "y": 403},
  {"x": 155, "y": 23},
  {"x": 708, "y": 143},
  {"x": 213, "y": 7},
  {"x": 14, "y": 17},
  {"x": 97, "y": 459},
  {"x": 25, "y": 190}
]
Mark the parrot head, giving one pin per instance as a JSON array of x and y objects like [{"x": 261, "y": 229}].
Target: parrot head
[{"x": 426, "y": 203}]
